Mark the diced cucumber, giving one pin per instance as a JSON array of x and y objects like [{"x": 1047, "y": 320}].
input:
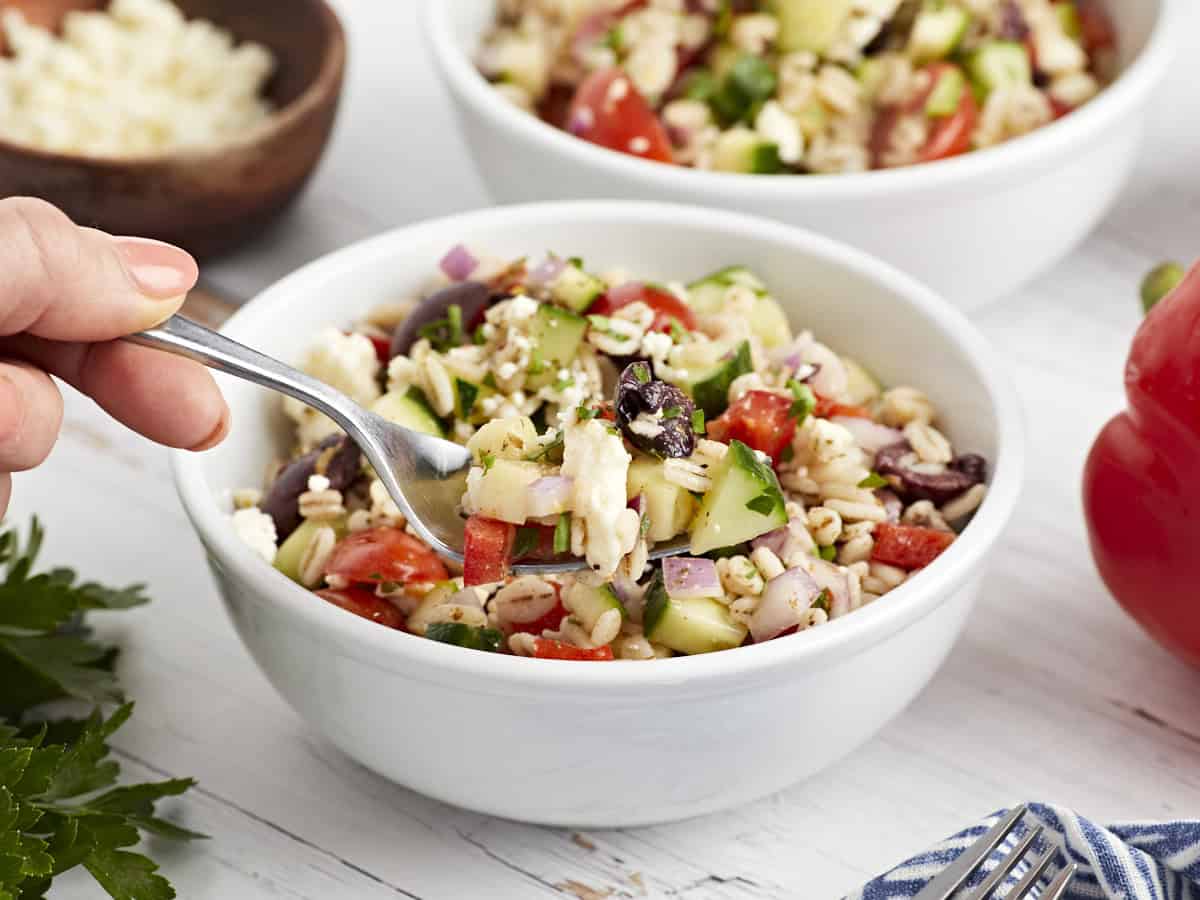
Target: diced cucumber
[
  {"x": 291, "y": 551},
  {"x": 1068, "y": 19},
  {"x": 588, "y": 604},
  {"x": 469, "y": 636},
  {"x": 747, "y": 152},
  {"x": 576, "y": 289},
  {"x": 769, "y": 323},
  {"x": 861, "y": 387},
  {"x": 748, "y": 84},
  {"x": 409, "y": 409},
  {"x": 937, "y": 31},
  {"x": 947, "y": 94},
  {"x": 500, "y": 493},
  {"x": 711, "y": 390},
  {"x": 557, "y": 334},
  {"x": 466, "y": 395},
  {"x": 668, "y": 506},
  {"x": 811, "y": 25},
  {"x": 690, "y": 626},
  {"x": 744, "y": 502},
  {"x": 514, "y": 438},
  {"x": 707, "y": 295},
  {"x": 998, "y": 64}
]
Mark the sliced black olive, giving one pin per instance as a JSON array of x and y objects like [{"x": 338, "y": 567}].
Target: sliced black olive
[
  {"x": 638, "y": 393},
  {"x": 472, "y": 299},
  {"x": 337, "y": 458},
  {"x": 939, "y": 487}
]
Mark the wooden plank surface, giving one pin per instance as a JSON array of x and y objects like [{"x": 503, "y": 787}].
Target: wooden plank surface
[{"x": 1052, "y": 693}]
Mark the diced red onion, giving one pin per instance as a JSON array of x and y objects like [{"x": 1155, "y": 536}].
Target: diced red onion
[
  {"x": 547, "y": 272},
  {"x": 784, "y": 604},
  {"x": 792, "y": 355},
  {"x": 788, "y": 541},
  {"x": 548, "y": 496},
  {"x": 891, "y": 504},
  {"x": 871, "y": 436},
  {"x": 772, "y": 540},
  {"x": 458, "y": 264},
  {"x": 829, "y": 577},
  {"x": 689, "y": 578}
]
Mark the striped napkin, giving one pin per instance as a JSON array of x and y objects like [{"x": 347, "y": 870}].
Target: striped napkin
[{"x": 1159, "y": 861}]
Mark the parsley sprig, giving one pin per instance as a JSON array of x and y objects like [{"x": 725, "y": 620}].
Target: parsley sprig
[{"x": 60, "y": 806}]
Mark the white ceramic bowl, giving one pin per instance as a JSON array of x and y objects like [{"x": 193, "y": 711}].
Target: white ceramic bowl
[
  {"x": 615, "y": 744},
  {"x": 973, "y": 228}
]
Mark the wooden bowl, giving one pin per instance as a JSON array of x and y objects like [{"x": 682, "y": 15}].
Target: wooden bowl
[{"x": 210, "y": 199}]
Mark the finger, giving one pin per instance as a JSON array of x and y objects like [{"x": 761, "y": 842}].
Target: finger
[
  {"x": 31, "y": 410},
  {"x": 68, "y": 283},
  {"x": 170, "y": 400},
  {"x": 5, "y": 492}
]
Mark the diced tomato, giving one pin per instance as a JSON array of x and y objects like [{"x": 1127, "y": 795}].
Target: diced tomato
[
  {"x": 545, "y": 648},
  {"x": 1096, "y": 26},
  {"x": 948, "y": 135},
  {"x": 760, "y": 420},
  {"x": 365, "y": 604},
  {"x": 669, "y": 310},
  {"x": 829, "y": 409},
  {"x": 608, "y": 110},
  {"x": 384, "y": 554},
  {"x": 383, "y": 348},
  {"x": 909, "y": 547},
  {"x": 550, "y": 621},
  {"x": 487, "y": 553}
]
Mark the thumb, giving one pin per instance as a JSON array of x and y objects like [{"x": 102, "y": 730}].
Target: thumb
[{"x": 67, "y": 283}]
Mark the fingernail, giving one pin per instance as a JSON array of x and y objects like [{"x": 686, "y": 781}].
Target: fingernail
[{"x": 160, "y": 271}]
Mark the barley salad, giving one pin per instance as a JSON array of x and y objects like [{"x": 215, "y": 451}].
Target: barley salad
[
  {"x": 798, "y": 86},
  {"x": 607, "y": 414}
]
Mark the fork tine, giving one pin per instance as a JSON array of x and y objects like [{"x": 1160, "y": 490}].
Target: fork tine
[
  {"x": 1026, "y": 884},
  {"x": 1058, "y": 887},
  {"x": 1006, "y": 865},
  {"x": 956, "y": 874}
]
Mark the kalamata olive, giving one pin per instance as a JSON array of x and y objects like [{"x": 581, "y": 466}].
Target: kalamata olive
[
  {"x": 668, "y": 431},
  {"x": 337, "y": 458},
  {"x": 1013, "y": 26},
  {"x": 471, "y": 297},
  {"x": 939, "y": 487}
]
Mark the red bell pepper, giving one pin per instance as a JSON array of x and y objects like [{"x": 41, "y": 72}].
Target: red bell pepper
[{"x": 1141, "y": 485}]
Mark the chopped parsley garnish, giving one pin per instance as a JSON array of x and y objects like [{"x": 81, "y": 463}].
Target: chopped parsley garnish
[
  {"x": 614, "y": 40},
  {"x": 804, "y": 401},
  {"x": 479, "y": 337},
  {"x": 763, "y": 504},
  {"x": 443, "y": 334},
  {"x": 489, "y": 460},
  {"x": 827, "y": 553},
  {"x": 677, "y": 332},
  {"x": 562, "y": 534},
  {"x": 563, "y": 383},
  {"x": 641, "y": 372},
  {"x": 698, "y": 425},
  {"x": 576, "y": 261},
  {"x": 525, "y": 542},
  {"x": 489, "y": 381},
  {"x": 872, "y": 481},
  {"x": 824, "y": 601},
  {"x": 550, "y": 451},
  {"x": 644, "y": 527},
  {"x": 586, "y": 413},
  {"x": 672, "y": 412}
]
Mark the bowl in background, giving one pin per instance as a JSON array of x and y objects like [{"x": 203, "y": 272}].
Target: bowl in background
[
  {"x": 207, "y": 199},
  {"x": 624, "y": 743},
  {"x": 974, "y": 227}
]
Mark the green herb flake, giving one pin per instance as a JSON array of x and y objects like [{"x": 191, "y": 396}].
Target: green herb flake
[
  {"x": 446, "y": 333},
  {"x": 672, "y": 412},
  {"x": 614, "y": 40},
  {"x": 698, "y": 425},
  {"x": 489, "y": 460},
  {"x": 525, "y": 542},
  {"x": 586, "y": 413},
  {"x": 562, "y": 534},
  {"x": 489, "y": 381},
  {"x": 537, "y": 365},
  {"x": 804, "y": 401},
  {"x": 873, "y": 481},
  {"x": 763, "y": 504},
  {"x": 677, "y": 332},
  {"x": 641, "y": 372},
  {"x": 824, "y": 601},
  {"x": 827, "y": 553},
  {"x": 576, "y": 261},
  {"x": 563, "y": 383}
]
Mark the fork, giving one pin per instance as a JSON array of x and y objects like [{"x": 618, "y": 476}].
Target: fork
[{"x": 954, "y": 876}]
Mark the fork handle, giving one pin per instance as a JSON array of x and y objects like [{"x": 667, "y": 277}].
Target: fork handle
[{"x": 183, "y": 337}]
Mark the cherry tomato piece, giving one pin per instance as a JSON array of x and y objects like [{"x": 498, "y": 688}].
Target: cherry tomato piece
[
  {"x": 829, "y": 409},
  {"x": 366, "y": 605},
  {"x": 487, "y": 552},
  {"x": 909, "y": 547},
  {"x": 760, "y": 420},
  {"x": 669, "y": 310},
  {"x": 608, "y": 110},
  {"x": 545, "y": 648},
  {"x": 384, "y": 554}
]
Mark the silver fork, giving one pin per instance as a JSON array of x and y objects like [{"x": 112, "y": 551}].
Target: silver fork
[
  {"x": 426, "y": 476},
  {"x": 955, "y": 875}
]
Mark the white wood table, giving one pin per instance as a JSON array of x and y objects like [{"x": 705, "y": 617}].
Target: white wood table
[{"x": 1052, "y": 694}]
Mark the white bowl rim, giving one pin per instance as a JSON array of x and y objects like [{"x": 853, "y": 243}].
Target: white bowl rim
[
  {"x": 392, "y": 651},
  {"x": 1109, "y": 109}
]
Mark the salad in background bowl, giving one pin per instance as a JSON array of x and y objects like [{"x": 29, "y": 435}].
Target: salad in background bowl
[{"x": 610, "y": 744}]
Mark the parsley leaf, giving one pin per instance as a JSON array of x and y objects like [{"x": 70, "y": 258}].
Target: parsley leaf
[
  {"x": 562, "y": 534},
  {"x": 874, "y": 480},
  {"x": 827, "y": 553},
  {"x": 489, "y": 460},
  {"x": 698, "y": 425},
  {"x": 763, "y": 504},
  {"x": 804, "y": 400},
  {"x": 60, "y": 807},
  {"x": 445, "y": 333}
]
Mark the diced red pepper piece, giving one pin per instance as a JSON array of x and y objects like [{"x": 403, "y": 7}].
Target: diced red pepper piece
[
  {"x": 909, "y": 547},
  {"x": 385, "y": 554},
  {"x": 545, "y": 648},
  {"x": 365, "y": 604},
  {"x": 759, "y": 419},
  {"x": 487, "y": 552}
]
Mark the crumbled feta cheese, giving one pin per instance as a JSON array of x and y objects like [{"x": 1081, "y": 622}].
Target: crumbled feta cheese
[
  {"x": 507, "y": 370},
  {"x": 647, "y": 425},
  {"x": 522, "y": 307},
  {"x": 318, "y": 483},
  {"x": 597, "y": 460},
  {"x": 656, "y": 344},
  {"x": 776, "y": 125},
  {"x": 257, "y": 531}
]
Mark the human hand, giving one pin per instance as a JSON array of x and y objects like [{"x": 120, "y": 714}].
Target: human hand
[{"x": 67, "y": 294}]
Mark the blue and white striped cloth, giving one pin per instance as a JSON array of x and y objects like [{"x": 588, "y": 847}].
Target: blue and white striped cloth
[{"x": 1158, "y": 861}]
